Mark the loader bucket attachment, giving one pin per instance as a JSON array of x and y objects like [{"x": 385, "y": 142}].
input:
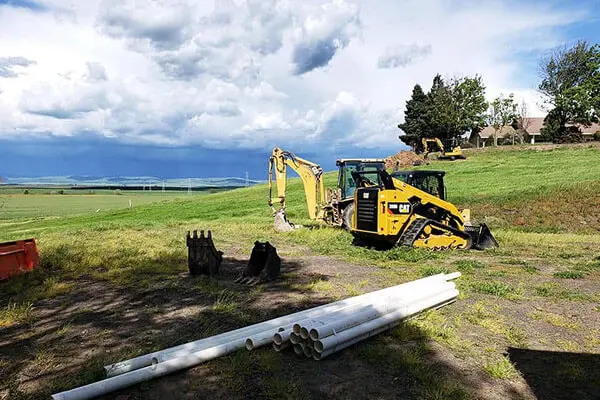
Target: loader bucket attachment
[
  {"x": 203, "y": 256},
  {"x": 281, "y": 223},
  {"x": 264, "y": 265},
  {"x": 482, "y": 237},
  {"x": 18, "y": 257}
]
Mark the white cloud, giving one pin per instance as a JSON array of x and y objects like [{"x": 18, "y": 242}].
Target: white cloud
[{"x": 249, "y": 73}]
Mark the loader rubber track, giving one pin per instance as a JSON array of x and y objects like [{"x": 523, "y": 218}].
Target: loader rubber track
[{"x": 414, "y": 230}]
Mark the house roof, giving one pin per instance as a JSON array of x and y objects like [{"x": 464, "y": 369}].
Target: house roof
[
  {"x": 590, "y": 130},
  {"x": 533, "y": 125},
  {"x": 488, "y": 132}
]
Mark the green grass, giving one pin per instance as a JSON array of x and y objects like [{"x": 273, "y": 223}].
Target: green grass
[
  {"x": 40, "y": 203},
  {"x": 569, "y": 274},
  {"x": 468, "y": 265},
  {"x": 14, "y": 313},
  {"x": 534, "y": 202},
  {"x": 495, "y": 288},
  {"x": 501, "y": 369}
]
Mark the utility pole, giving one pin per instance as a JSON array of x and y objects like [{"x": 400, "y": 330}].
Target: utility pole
[{"x": 246, "y": 179}]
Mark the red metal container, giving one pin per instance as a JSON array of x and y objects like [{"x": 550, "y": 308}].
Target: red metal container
[{"x": 18, "y": 257}]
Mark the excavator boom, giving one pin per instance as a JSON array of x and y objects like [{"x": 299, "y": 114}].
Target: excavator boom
[{"x": 311, "y": 175}]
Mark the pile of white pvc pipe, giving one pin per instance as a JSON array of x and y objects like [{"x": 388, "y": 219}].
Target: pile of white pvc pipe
[
  {"x": 316, "y": 333},
  {"x": 321, "y": 336}
]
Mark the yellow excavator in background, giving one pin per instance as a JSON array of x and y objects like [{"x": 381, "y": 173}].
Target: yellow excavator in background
[
  {"x": 409, "y": 208},
  {"x": 431, "y": 145},
  {"x": 334, "y": 207}
]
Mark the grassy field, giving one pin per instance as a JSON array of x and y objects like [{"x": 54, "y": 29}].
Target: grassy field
[
  {"x": 38, "y": 203},
  {"x": 113, "y": 284}
]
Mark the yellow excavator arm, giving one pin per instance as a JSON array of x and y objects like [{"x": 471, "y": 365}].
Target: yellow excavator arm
[
  {"x": 310, "y": 173},
  {"x": 426, "y": 141}
]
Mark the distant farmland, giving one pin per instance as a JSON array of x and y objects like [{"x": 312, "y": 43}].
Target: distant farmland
[{"x": 49, "y": 202}]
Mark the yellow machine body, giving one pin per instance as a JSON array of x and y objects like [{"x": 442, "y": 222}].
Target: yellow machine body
[{"x": 394, "y": 212}]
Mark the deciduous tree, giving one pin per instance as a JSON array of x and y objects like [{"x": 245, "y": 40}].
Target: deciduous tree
[
  {"x": 571, "y": 88},
  {"x": 502, "y": 113}
]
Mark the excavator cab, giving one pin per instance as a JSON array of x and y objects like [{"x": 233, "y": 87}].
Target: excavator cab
[{"x": 346, "y": 182}]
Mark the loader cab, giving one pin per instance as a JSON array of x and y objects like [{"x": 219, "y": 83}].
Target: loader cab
[
  {"x": 346, "y": 183},
  {"x": 431, "y": 182}
]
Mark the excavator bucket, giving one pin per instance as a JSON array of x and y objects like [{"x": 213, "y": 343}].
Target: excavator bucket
[
  {"x": 264, "y": 265},
  {"x": 482, "y": 237},
  {"x": 281, "y": 223},
  {"x": 203, "y": 256},
  {"x": 18, "y": 257}
]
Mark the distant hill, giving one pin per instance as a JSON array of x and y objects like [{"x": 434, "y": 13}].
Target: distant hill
[{"x": 78, "y": 180}]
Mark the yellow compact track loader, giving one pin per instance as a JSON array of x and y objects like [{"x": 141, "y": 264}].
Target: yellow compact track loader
[
  {"x": 333, "y": 206},
  {"x": 409, "y": 208}
]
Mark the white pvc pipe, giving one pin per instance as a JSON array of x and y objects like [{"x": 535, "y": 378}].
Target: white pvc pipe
[
  {"x": 334, "y": 343},
  {"x": 299, "y": 348},
  {"x": 370, "y": 312},
  {"x": 295, "y": 339},
  {"x": 356, "y": 303},
  {"x": 282, "y": 336},
  {"x": 302, "y": 327},
  {"x": 198, "y": 345},
  {"x": 280, "y": 347},
  {"x": 143, "y": 374},
  {"x": 307, "y": 350}
]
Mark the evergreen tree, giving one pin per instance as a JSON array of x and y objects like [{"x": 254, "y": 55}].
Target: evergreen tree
[{"x": 415, "y": 118}]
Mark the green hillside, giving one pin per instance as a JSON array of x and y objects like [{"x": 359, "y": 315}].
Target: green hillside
[{"x": 536, "y": 291}]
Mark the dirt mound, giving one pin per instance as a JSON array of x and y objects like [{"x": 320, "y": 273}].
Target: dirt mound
[{"x": 404, "y": 159}]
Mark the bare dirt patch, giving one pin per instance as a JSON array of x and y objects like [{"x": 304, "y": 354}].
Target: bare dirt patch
[{"x": 444, "y": 355}]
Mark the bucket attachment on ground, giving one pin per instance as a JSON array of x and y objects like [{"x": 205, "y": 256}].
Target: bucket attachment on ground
[
  {"x": 281, "y": 223},
  {"x": 18, "y": 257},
  {"x": 481, "y": 236},
  {"x": 264, "y": 265},
  {"x": 203, "y": 257}
]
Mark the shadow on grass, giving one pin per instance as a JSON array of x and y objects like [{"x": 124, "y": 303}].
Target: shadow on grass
[
  {"x": 107, "y": 318},
  {"x": 559, "y": 375}
]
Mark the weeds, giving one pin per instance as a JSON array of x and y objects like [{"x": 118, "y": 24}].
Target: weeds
[
  {"x": 226, "y": 302},
  {"x": 569, "y": 275},
  {"x": 468, "y": 265},
  {"x": 554, "y": 319},
  {"x": 14, "y": 314},
  {"x": 429, "y": 271},
  {"x": 495, "y": 288},
  {"x": 555, "y": 291},
  {"x": 501, "y": 369}
]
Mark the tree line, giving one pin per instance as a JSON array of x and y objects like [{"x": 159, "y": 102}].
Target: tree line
[{"x": 570, "y": 85}]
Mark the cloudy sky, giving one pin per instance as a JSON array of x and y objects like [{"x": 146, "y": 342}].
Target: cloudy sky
[{"x": 178, "y": 88}]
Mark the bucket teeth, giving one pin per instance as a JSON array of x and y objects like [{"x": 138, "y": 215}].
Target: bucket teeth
[{"x": 203, "y": 257}]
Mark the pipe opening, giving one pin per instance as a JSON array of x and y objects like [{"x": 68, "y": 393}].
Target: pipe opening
[
  {"x": 314, "y": 334},
  {"x": 308, "y": 351},
  {"x": 249, "y": 344},
  {"x": 296, "y": 329},
  {"x": 295, "y": 339},
  {"x": 298, "y": 349},
  {"x": 277, "y": 338},
  {"x": 304, "y": 333},
  {"x": 318, "y": 346},
  {"x": 316, "y": 355}
]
